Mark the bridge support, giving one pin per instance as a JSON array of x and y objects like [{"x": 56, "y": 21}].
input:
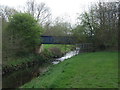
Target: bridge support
[{"x": 39, "y": 49}]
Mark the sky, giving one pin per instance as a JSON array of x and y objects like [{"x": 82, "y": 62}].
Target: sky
[{"x": 68, "y": 9}]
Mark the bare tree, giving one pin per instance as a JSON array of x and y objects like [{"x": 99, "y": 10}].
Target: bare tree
[
  {"x": 40, "y": 11},
  {"x": 59, "y": 28},
  {"x": 6, "y": 12}
]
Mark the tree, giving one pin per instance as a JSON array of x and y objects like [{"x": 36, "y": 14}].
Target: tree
[
  {"x": 5, "y": 40},
  {"x": 87, "y": 26},
  {"x": 107, "y": 15},
  {"x": 101, "y": 23},
  {"x": 39, "y": 10},
  {"x": 59, "y": 28},
  {"x": 24, "y": 32},
  {"x": 79, "y": 34},
  {"x": 6, "y": 12}
]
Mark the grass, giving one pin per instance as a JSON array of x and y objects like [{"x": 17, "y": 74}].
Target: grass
[
  {"x": 86, "y": 70},
  {"x": 63, "y": 48},
  {"x": 20, "y": 60}
]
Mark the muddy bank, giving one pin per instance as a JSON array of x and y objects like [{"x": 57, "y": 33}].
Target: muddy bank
[
  {"x": 10, "y": 69},
  {"x": 20, "y": 77},
  {"x": 41, "y": 60}
]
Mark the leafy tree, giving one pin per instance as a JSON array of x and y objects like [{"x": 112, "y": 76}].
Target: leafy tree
[
  {"x": 59, "y": 28},
  {"x": 101, "y": 24},
  {"x": 5, "y": 39},
  {"x": 79, "y": 34},
  {"x": 107, "y": 16},
  {"x": 24, "y": 33},
  {"x": 86, "y": 28}
]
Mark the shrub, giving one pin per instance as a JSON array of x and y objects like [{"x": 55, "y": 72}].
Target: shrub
[
  {"x": 56, "y": 51},
  {"x": 24, "y": 33}
]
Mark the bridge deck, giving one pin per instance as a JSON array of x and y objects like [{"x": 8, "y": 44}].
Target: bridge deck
[{"x": 57, "y": 40}]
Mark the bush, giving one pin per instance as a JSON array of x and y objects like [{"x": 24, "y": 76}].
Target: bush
[
  {"x": 56, "y": 52},
  {"x": 24, "y": 33},
  {"x": 47, "y": 54}
]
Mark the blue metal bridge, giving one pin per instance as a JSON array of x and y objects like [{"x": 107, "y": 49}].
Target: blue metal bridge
[
  {"x": 66, "y": 40},
  {"x": 58, "y": 40}
]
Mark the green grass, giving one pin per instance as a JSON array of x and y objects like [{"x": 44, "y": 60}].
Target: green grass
[
  {"x": 86, "y": 70},
  {"x": 20, "y": 60},
  {"x": 63, "y": 48}
]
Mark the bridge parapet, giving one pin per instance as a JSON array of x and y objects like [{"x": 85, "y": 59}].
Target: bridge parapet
[
  {"x": 58, "y": 40},
  {"x": 84, "y": 47}
]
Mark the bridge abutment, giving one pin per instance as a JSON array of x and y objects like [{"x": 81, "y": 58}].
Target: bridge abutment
[{"x": 39, "y": 49}]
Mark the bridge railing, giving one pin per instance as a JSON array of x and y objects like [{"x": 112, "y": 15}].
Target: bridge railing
[
  {"x": 57, "y": 40},
  {"x": 85, "y": 47}
]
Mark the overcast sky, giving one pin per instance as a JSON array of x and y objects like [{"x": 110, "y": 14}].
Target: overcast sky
[{"x": 63, "y": 8}]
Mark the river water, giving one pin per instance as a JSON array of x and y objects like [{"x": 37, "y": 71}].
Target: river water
[
  {"x": 67, "y": 56},
  {"x": 20, "y": 77}
]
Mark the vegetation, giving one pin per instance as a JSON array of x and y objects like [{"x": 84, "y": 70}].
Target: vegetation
[
  {"x": 87, "y": 70},
  {"x": 45, "y": 56},
  {"x": 20, "y": 60},
  {"x": 59, "y": 28},
  {"x": 63, "y": 48},
  {"x": 22, "y": 35},
  {"x": 99, "y": 25},
  {"x": 25, "y": 32},
  {"x": 39, "y": 10},
  {"x": 55, "y": 50}
]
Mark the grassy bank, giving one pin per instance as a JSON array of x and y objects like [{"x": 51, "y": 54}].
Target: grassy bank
[
  {"x": 86, "y": 70},
  {"x": 28, "y": 58},
  {"x": 62, "y": 47}
]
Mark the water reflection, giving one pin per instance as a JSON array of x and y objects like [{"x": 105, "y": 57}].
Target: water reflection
[{"x": 23, "y": 76}]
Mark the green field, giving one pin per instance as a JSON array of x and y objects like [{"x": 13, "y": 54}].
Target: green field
[
  {"x": 86, "y": 70},
  {"x": 62, "y": 47}
]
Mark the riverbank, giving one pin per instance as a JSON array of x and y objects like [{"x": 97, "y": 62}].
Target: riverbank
[
  {"x": 23, "y": 69},
  {"x": 86, "y": 70},
  {"x": 31, "y": 57},
  {"x": 22, "y": 76},
  {"x": 50, "y": 52}
]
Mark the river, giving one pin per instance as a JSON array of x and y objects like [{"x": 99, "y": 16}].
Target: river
[{"x": 20, "y": 77}]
